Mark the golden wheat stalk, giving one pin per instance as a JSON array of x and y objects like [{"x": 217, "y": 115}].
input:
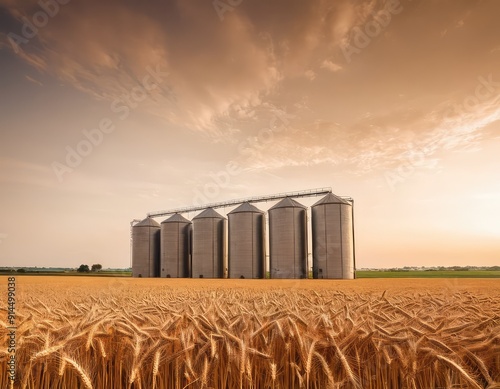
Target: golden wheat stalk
[
  {"x": 460, "y": 370},
  {"x": 83, "y": 375}
]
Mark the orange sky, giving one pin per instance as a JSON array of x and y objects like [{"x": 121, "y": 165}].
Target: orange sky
[{"x": 110, "y": 110}]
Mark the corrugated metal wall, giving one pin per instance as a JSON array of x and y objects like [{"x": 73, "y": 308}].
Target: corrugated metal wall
[
  {"x": 209, "y": 245},
  {"x": 288, "y": 240},
  {"x": 333, "y": 246},
  {"x": 175, "y": 247},
  {"x": 146, "y": 249},
  {"x": 246, "y": 242}
]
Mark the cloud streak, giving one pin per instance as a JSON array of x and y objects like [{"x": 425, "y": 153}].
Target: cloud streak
[{"x": 215, "y": 67}]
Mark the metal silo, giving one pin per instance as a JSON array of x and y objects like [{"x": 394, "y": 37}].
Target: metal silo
[
  {"x": 288, "y": 239},
  {"x": 333, "y": 238},
  {"x": 146, "y": 248},
  {"x": 175, "y": 258},
  {"x": 209, "y": 245},
  {"x": 246, "y": 242}
]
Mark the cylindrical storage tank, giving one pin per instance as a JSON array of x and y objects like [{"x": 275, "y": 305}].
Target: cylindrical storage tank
[
  {"x": 246, "y": 242},
  {"x": 175, "y": 258},
  {"x": 288, "y": 239},
  {"x": 332, "y": 240},
  {"x": 146, "y": 249},
  {"x": 209, "y": 245}
]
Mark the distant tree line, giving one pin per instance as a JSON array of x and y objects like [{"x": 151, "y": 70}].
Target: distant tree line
[
  {"x": 37, "y": 270},
  {"x": 85, "y": 268}
]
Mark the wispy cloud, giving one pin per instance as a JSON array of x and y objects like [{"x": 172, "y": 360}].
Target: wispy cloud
[
  {"x": 224, "y": 74},
  {"x": 378, "y": 143},
  {"x": 331, "y": 66},
  {"x": 214, "y": 67},
  {"x": 31, "y": 79},
  {"x": 310, "y": 75}
]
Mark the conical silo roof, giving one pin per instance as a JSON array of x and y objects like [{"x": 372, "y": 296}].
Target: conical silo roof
[
  {"x": 330, "y": 198},
  {"x": 288, "y": 202},
  {"x": 176, "y": 218},
  {"x": 246, "y": 207},
  {"x": 209, "y": 213},
  {"x": 148, "y": 222}
]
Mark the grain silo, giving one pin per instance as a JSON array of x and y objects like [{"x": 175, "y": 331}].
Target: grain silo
[
  {"x": 209, "y": 245},
  {"x": 146, "y": 248},
  {"x": 288, "y": 239},
  {"x": 175, "y": 258},
  {"x": 246, "y": 242},
  {"x": 333, "y": 238}
]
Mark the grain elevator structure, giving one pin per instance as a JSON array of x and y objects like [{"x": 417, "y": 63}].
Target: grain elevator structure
[{"x": 250, "y": 243}]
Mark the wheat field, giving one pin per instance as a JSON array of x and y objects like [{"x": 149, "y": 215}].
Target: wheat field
[{"x": 88, "y": 332}]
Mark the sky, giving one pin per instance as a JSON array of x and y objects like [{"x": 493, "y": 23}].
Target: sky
[{"x": 110, "y": 110}]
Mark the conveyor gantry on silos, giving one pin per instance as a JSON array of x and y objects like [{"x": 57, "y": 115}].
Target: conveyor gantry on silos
[{"x": 332, "y": 239}]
